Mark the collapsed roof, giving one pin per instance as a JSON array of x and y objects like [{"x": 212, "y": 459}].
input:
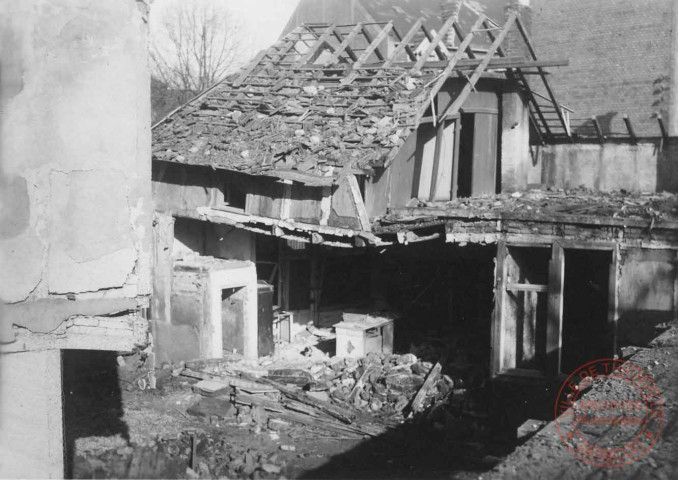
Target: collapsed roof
[{"x": 332, "y": 99}]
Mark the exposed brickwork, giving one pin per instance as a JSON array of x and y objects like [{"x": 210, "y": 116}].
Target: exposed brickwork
[{"x": 619, "y": 52}]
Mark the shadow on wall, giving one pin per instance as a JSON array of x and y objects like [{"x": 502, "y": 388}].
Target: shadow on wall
[
  {"x": 667, "y": 166},
  {"x": 605, "y": 121},
  {"x": 92, "y": 399}
]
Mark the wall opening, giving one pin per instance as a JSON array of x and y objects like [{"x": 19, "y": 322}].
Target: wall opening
[
  {"x": 585, "y": 308},
  {"x": 233, "y": 319},
  {"x": 465, "y": 175}
]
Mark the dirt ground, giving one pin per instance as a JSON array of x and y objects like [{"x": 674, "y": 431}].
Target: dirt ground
[
  {"x": 115, "y": 429},
  {"x": 546, "y": 456}
]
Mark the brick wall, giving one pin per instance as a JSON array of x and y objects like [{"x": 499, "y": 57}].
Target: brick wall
[{"x": 619, "y": 52}]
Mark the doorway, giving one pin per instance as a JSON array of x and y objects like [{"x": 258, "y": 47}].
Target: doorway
[{"x": 586, "y": 289}]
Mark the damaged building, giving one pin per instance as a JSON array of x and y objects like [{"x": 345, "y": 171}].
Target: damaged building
[
  {"x": 449, "y": 200},
  {"x": 369, "y": 167}
]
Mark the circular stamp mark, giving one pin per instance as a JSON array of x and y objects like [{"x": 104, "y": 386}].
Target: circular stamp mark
[{"x": 617, "y": 422}]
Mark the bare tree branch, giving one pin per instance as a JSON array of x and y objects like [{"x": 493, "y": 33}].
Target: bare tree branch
[{"x": 196, "y": 46}]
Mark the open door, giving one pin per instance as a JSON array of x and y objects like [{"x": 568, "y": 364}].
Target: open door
[
  {"x": 555, "y": 308},
  {"x": 521, "y": 295}
]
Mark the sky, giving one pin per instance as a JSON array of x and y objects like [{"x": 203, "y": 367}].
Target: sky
[{"x": 262, "y": 20}]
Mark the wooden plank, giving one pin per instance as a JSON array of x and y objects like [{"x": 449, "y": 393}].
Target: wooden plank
[
  {"x": 599, "y": 131},
  {"x": 344, "y": 45},
  {"x": 408, "y": 49},
  {"x": 450, "y": 66},
  {"x": 372, "y": 48},
  {"x": 455, "y": 165},
  {"x": 612, "y": 303},
  {"x": 542, "y": 74},
  {"x": 554, "y": 318},
  {"x": 439, "y": 51},
  {"x": 302, "y": 397},
  {"x": 463, "y": 64},
  {"x": 249, "y": 68},
  {"x": 662, "y": 128},
  {"x": 436, "y": 161},
  {"x": 403, "y": 43},
  {"x": 528, "y": 91},
  {"x": 286, "y": 201},
  {"x": 325, "y": 205},
  {"x": 358, "y": 202},
  {"x": 497, "y": 314},
  {"x": 629, "y": 128},
  {"x": 470, "y": 84},
  {"x": 431, "y": 378},
  {"x": 318, "y": 44},
  {"x": 526, "y": 287},
  {"x": 432, "y": 45},
  {"x": 460, "y": 36},
  {"x": 305, "y": 204},
  {"x": 484, "y": 165},
  {"x": 529, "y": 327},
  {"x": 368, "y": 37}
]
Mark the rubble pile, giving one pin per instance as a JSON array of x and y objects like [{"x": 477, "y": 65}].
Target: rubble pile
[
  {"x": 342, "y": 397},
  {"x": 383, "y": 384}
]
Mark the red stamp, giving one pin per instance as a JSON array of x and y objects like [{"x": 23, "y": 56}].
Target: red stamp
[{"x": 609, "y": 413}]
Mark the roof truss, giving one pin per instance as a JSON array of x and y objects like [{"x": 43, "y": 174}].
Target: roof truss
[{"x": 376, "y": 54}]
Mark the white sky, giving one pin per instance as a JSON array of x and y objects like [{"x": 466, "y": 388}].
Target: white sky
[{"x": 262, "y": 20}]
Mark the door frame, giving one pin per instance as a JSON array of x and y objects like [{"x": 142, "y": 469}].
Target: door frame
[{"x": 554, "y": 317}]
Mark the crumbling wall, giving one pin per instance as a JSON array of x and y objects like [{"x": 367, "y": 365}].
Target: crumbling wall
[
  {"x": 609, "y": 166},
  {"x": 75, "y": 150}
]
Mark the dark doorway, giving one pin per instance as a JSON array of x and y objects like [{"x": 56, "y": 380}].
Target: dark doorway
[
  {"x": 465, "y": 172},
  {"x": 585, "y": 308}
]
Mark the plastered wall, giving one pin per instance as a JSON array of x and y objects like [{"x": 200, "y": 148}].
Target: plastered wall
[
  {"x": 645, "y": 167},
  {"x": 74, "y": 150}
]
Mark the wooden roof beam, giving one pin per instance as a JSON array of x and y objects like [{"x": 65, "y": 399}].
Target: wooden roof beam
[
  {"x": 629, "y": 127},
  {"x": 344, "y": 45},
  {"x": 599, "y": 131},
  {"x": 450, "y": 66},
  {"x": 432, "y": 45},
  {"x": 528, "y": 91},
  {"x": 404, "y": 44},
  {"x": 461, "y": 98},
  {"x": 317, "y": 46},
  {"x": 460, "y": 35},
  {"x": 371, "y": 41},
  {"x": 442, "y": 55},
  {"x": 372, "y": 48}
]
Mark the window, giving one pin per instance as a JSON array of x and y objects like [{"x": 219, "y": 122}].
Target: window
[{"x": 234, "y": 195}]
